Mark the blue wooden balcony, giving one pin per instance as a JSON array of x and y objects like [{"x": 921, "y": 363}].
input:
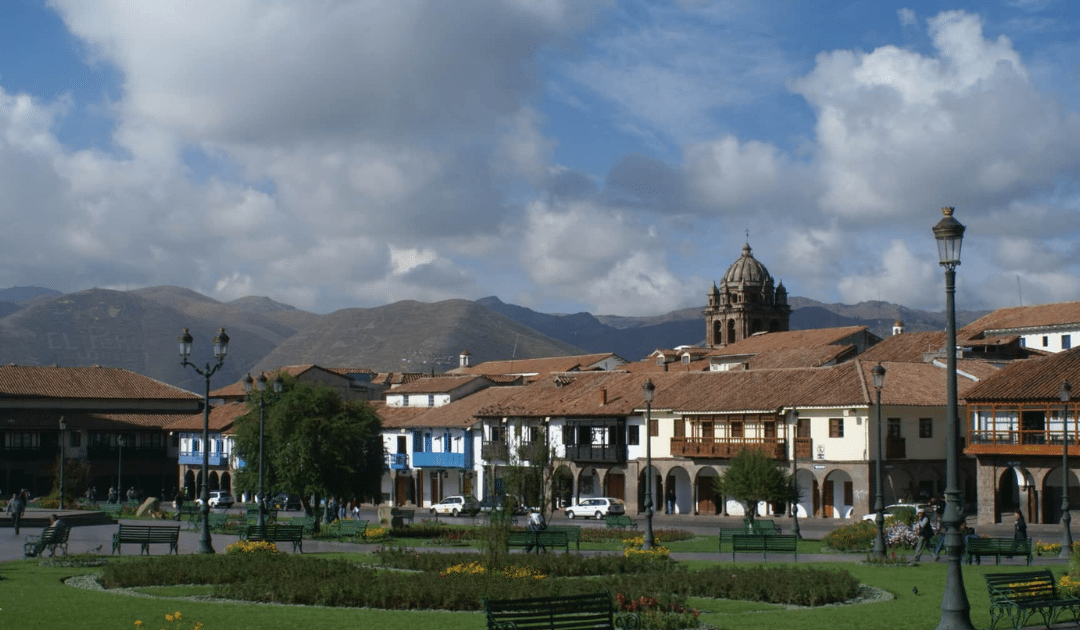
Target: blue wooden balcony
[
  {"x": 194, "y": 458},
  {"x": 398, "y": 461},
  {"x": 440, "y": 460}
]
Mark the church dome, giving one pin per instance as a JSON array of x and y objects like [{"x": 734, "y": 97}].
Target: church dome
[{"x": 747, "y": 270}]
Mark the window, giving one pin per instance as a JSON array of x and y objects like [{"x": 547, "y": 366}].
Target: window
[
  {"x": 1066, "y": 342},
  {"x": 22, "y": 440},
  {"x": 1046, "y": 341},
  {"x": 176, "y": 440},
  {"x": 836, "y": 427},
  {"x": 894, "y": 428},
  {"x": 194, "y": 446},
  {"x": 660, "y": 360},
  {"x": 678, "y": 428},
  {"x": 431, "y": 400},
  {"x": 220, "y": 446},
  {"x": 926, "y": 427},
  {"x": 633, "y": 435},
  {"x": 75, "y": 439},
  {"x": 654, "y": 427},
  {"x": 405, "y": 400},
  {"x": 803, "y": 429},
  {"x": 736, "y": 429},
  {"x": 686, "y": 359}
]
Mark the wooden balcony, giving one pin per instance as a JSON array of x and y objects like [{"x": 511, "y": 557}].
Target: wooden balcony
[
  {"x": 804, "y": 448},
  {"x": 1019, "y": 443},
  {"x": 495, "y": 451},
  {"x": 596, "y": 453},
  {"x": 726, "y": 448}
]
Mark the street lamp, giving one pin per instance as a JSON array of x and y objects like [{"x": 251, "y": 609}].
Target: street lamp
[
  {"x": 647, "y": 390},
  {"x": 119, "y": 467},
  {"x": 1066, "y": 518},
  {"x": 221, "y": 346},
  {"x": 63, "y": 434},
  {"x": 794, "y": 414},
  {"x": 261, "y": 386},
  {"x": 878, "y": 373},
  {"x": 955, "y": 608}
]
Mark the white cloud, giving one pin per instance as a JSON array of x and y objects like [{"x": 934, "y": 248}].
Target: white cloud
[
  {"x": 902, "y": 278},
  {"x": 906, "y": 17}
]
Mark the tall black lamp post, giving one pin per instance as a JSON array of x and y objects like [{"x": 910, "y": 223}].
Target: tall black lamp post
[
  {"x": 63, "y": 435},
  {"x": 955, "y": 608},
  {"x": 794, "y": 415},
  {"x": 119, "y": 468},
  {"x": 1066, "y": 518},
  {"x": 221, "y": 346},
  {"x": 878, "y": 374},
  {"x": 260, "y": 385},
  {"x": 647, "y": 391}
]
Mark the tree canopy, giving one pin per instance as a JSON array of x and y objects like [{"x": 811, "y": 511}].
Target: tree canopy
[
  {"x": 752, "y": 477},
  {"x": 317, "y": 443}
]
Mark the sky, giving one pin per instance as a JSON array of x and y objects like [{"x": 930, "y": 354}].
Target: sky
[{"x": 610, "y": 156}]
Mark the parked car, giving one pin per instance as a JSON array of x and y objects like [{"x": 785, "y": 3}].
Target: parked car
[
  {"x": 287, "y": 502},
  {"x": 898, "y": 509},
  {"x": 598, "y": 507},
  {"x": 218, "y": 498},
  {"x": 457, "y": 505}
]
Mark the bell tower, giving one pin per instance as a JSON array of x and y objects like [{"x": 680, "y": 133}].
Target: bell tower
[{"x": 745, "y": 302}]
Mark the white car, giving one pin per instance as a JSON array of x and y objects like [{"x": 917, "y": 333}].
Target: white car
[
  {"x": 218, "y": 498},
  {"x": 456, "y": 505},
  {"x": 598, "y": 507},
  {"x": 892, "y": 510}
]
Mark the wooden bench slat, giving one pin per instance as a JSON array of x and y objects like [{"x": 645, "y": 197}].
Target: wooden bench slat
[
  {"x": 146, "y": 535},
  {"x": 752, "y": 543},
  {"x": 997, "y": 547},
  {"x": 574, "y": 612}
]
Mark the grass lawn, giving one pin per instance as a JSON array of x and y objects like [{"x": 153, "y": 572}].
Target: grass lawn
[{"x": 32, "y": 596}]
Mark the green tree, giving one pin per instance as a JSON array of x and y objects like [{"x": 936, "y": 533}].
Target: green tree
[
  {"x": 752, "y": 477},
  {"x": 317, "y": 445}
]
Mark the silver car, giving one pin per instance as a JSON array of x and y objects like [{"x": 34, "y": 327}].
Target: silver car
[{"x": 598, "y": 507}]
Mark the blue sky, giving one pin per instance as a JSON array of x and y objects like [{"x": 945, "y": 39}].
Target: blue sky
[{"x": 566, "y": 155}]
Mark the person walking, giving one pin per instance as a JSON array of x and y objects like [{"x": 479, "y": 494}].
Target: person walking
[
  {"x": 536, "y": 524},
  {"x": 925, "y": 531},
  {"x": 670, "y": 499},
  {"x": 20, "y": 506},
  {"x": 1020, "y": 527}
]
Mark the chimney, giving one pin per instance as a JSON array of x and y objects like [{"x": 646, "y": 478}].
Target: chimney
[
  {"x": 898, "y": 328},
  {"x": 603, "y": 396},
  {"x": 463, "y": 359}
]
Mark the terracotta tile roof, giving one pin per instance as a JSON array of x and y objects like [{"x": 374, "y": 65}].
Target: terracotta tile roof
[
  {"x": 439, "y": 384},
  {"x": 790, "y": 339},
  {"x": 812, "y": 356},
  {"x": 34, "y": 419},
  {"x": 99, "y": 383},
  {"x": 766, "y": 390},
  {"x": 236, "y": 390},
  {"x": 649, "y": 365},
  {"x": 397, "y": 378},
  {"x": 222, "y": 418},
  {"x": 909, "y": 346},
  {"x": 345, "y": 371},
  {"x": 1031, "y": 380},
  {"x": 1021, "y": 317},
  {"x": 545, "y": 365},
  {"x": 461, "y": 413}
]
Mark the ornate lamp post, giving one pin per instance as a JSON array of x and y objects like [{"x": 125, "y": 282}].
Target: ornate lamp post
[
  {"x": 260, "y": 385},
  {"x": 794, "y": 415},
  {"x": 878, "y": 373},
  {"x": 221, "y": 346},
  {"x": 647, "y": 390},
  {"x": 1066, "y": 518},
  {"x": 63, "y": 435},
  {"x": 955, "y": 608}
]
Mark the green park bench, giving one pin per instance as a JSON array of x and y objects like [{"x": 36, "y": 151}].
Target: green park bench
[
  {"x": 51, "y": 538},
  {"x": 977, "y": 547},
  {"x": 1020, "y": 596},
  {"x": 619, "y": 521},
  {"x": 275, "y": 533},
  {"x": 146, "y": 535},
  {"x": 753, "y": 543},
  {"x": 595, "y": 610}
]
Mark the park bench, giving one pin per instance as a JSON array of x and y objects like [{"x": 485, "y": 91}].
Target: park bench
[
  {"x": 146, "y": 535},
  {"x": 573, "y": 534},
  {"x": 977, "y": 547},
  {"x": 727, "y": 532},
  {"x": 569, "y": 612},
  {"x": 619, "y": 521},
  {"x": 276, "y": 533},
  {"x": 752, "y": 543},
  {"x": 762, "y": 526},
  {"x": 545, "y": 539},
  {"x": 51, "y": 538},
  {"x": 1019, "y": 596},
  {"x": 306, "y": 522},
  {"x": 345, "y": 528}
]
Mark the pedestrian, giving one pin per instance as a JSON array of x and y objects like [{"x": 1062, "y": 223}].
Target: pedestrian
[
  {"x": 20, "y": 506},
  {"x": 536, "y": 524},
  {"x": 1020, "y": 527},
  {"x": 925, "y": 532},
  {"x": 670, "y": 500}
]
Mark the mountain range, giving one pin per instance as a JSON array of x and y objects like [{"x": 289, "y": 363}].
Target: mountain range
[{"x": 138, "y": 330}]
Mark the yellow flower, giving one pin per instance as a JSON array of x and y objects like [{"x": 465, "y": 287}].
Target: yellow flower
[
  {"x": 138, "y": 624},
  {"x": 168, "y": 618}
]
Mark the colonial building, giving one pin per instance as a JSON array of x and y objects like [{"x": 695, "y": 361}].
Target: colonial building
[
  {"x": 1016, "y": 432},
  {"x": 746, "y": 302},
  {"x": 113, "y": 422}
]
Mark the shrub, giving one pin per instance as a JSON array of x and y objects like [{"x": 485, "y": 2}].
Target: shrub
[
  {"x": 859, "y": 536},
  {"x": 251, "y": 547}
]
